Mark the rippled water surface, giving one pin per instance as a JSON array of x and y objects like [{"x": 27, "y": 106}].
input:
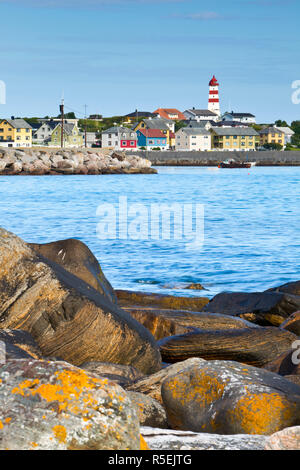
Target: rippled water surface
[{"x": 251, "y": 225}]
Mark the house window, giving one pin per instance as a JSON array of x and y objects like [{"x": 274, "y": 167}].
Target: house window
[
  {"x": 132, "y": 143},
  {"x": 123, "y": 143},
  {"x": 151, "y": 142}
]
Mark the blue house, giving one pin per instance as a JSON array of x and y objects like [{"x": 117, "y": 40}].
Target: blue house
[{"x": 151, "y": 138}]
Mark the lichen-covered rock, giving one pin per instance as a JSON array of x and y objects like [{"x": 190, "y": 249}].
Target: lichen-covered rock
[
  {"x": 264, "y": 308},
  {"x": 253, "y": 346},
  {"x": 74, "y": 256},
  {"x": 66, "y": 316},
  {"x": 225, "y": 397},
  {"x": 135, "y": 299},
  {"x": 123, "y": 375},
  {"x": 169, "y": 439},
  {"x": 287, "y": 439},
  {"x": 151, "y": 385},
  {"x": 292, "y": 323},
  {"x": 55, "y": 406},
  {"x": 150, "y": 412},
  {"x": 18, "y": 344}
]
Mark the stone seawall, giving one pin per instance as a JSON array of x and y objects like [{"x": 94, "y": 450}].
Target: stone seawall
[
  {"x": 263, "y": 158},
  {"x": 44, "y": 161}
]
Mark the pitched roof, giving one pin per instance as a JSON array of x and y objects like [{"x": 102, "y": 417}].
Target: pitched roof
[
  {"x": 165, "y": 113},
  {"x": 202, "y": 124},
  {"x": 234, "y": 131},
  {"x": 270, "y": 130},
  {"x": 195, "y": 131},
  {"x": 286, "y": 130},
  {"x": 140, "y": 114},
  {"x": 240, "y": 115},
  {"x": 158, "y": 123},
  {"x": 18, "y": 123},
  {"x": 152, "y": 133},
  {"x": 201, "y": 112},
  {"x": 117, "y": 130}
]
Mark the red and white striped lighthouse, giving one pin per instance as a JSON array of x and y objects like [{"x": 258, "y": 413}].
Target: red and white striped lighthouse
[{"x": 213, "y": 99}]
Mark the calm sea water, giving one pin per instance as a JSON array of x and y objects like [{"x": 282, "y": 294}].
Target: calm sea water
[{"x": 252, "y": 225}]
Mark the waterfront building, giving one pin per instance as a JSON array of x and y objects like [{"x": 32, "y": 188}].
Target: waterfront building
[
  {"x": 15, "y": 133},
  {"x": 271, "y": 135},
  {"x": 170, "y": 114},
  {"x": 200, "y": 115},
  {"x": 152, "y": 139},
  {"x": 288, "y": 134},
  {"x": 119, "y": 138},
  {"x": 193, "y": 139},
  {"x": 244, "y": 118},
  {"x": 234, "y": 138},
  {"x": 43, "y": 133},
  {"x": 71, "y": 136},
  {"x": 166, "y": 126}
]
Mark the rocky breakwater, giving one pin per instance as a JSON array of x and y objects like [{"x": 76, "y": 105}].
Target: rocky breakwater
[
  {"x": 81, "y": 161},
  {"x": 81, "y": 364}
]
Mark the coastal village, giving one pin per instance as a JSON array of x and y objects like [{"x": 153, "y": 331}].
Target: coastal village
[{"x": 160, "y": 130}]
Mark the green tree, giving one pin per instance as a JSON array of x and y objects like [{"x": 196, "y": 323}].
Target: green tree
[
  {"x": 272, "y": 146},
  {"x": 280, "y": 123}
]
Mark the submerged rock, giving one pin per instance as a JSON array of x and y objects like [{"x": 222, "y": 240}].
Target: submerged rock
[
  {"x": 55, "y": 406},
  {"x": 253, "y": 346},
  {"x": 66, "y": 316},
  {"x": 161, "y": 439},
  {"x": 225, "y": 397}
]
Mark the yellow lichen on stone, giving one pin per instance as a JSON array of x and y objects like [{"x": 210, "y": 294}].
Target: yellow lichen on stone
[
  {"x": 143, "y": 444},
  {"x": 60, "y": 433}
]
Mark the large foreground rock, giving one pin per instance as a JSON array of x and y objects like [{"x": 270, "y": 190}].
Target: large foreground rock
[
  {"x": 224, "y": 397},
  {"x": 161, "y": 439},
  {"x": 67, "y": 317},
  {"x": 289, "y": 288},
  {"x": 264, "y": 308},
  {"x": 253, "y": 346},
  {"x": 135, "y": 299},
  {"x": 77, "y": 258},
  {"x": 55, "y": 406},
  {"x": 287, "y": 439}
]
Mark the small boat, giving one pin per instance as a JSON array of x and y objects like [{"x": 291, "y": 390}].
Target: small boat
[{"x": 231, "y": 163}]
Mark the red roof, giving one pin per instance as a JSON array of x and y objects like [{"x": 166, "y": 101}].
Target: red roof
[
  {"x": 152, "y": 133},
  {"x": 167, "y": 112},
  {"x": 213, "y": 82}
]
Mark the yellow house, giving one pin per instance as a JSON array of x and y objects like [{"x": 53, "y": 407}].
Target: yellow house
[
  {"x": 15, "y": 133},
  {"x": 234, "y": 138},
  {"x": 271, "y": 135},
  {"x": 167, "y": 127}
]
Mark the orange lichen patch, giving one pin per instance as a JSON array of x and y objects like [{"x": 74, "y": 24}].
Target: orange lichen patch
[
  {"x": 1, "y": 425},
  {"x": 60, "y": 433},
  {"x": 261, "y": 414},
  {"x": 143, "y": 444},
  {"x": 72, "y": 389},
  {"x": 34, "y": 444},
  {"x": 7, "y": 420},
  {"x": 203, "y": 388}
]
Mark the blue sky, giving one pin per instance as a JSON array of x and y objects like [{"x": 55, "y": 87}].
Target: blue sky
[{"x": 119, "y": 55}]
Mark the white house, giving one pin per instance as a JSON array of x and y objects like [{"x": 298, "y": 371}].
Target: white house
[
  {"x": 200, "y": 115},
  {"x": 244, "y": 118},
  {"x": 189, "y": 139},
  {"x": 42, "y": 135}
]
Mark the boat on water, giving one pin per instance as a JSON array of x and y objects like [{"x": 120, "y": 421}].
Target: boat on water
[{"x": 231, "y": 163}]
